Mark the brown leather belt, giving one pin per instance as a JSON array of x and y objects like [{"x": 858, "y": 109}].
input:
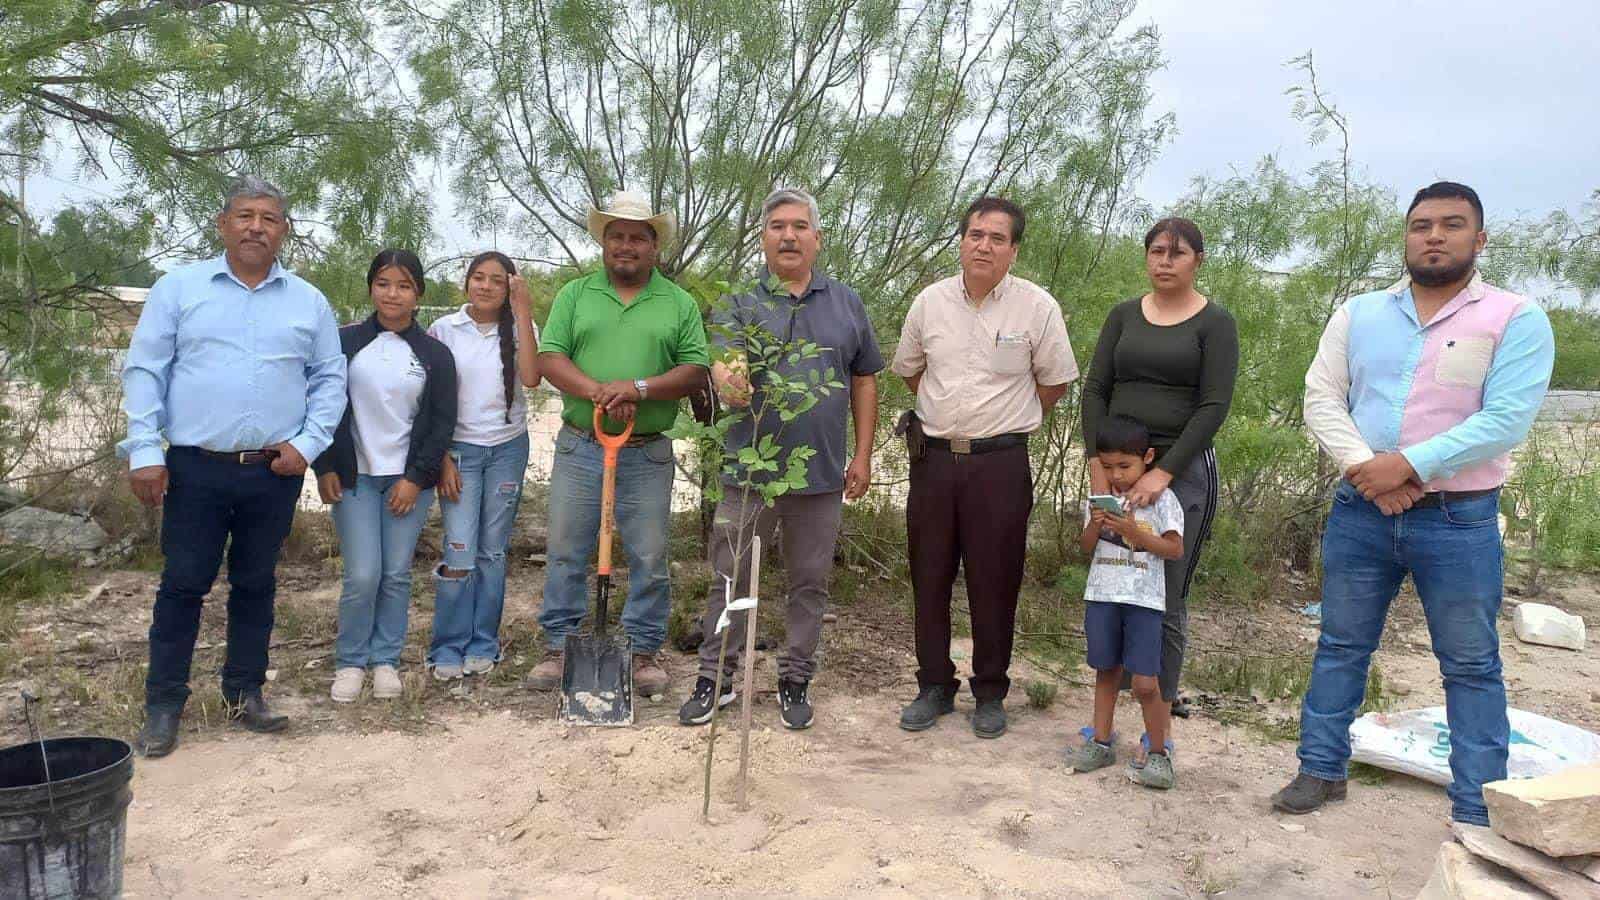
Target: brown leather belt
[{"x": 638, "y": 440}]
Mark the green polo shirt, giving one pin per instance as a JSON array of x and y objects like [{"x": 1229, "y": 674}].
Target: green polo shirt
[{"x": 610, "y": 340}]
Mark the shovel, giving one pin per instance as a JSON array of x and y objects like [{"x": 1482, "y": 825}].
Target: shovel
[{"x": 597, "y": 669}]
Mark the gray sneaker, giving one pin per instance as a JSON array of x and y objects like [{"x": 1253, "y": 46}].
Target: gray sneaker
[
  {"x": 446, "y": 671},
  {"x": 1090, "y": 755},
  {"x": 1155, "y": 773}
]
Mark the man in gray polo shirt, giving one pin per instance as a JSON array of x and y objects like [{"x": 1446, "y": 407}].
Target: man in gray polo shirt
[{"x": 793, "y": 303}]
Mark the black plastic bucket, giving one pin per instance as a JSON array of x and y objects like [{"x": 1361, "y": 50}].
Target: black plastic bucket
[{"x": 63, "y": 836}]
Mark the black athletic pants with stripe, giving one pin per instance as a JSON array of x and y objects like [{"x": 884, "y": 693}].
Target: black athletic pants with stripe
[{"x": 1196, "y": 488}]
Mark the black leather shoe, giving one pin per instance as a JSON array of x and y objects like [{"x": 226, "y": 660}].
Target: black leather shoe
[
  {"x": 251, "y": 711},
  {"x": 1307, "y": 793},
  {"x": 989, "y": 720},
  {"x": 932, "y": 702},
  {"x": 159, "y": 735}
]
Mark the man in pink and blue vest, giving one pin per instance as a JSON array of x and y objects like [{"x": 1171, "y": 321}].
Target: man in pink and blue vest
[{"x": 1420, "y": 392}]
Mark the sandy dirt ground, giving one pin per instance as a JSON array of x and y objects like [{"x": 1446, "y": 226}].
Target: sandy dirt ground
[{"x": 482, "y": 793}]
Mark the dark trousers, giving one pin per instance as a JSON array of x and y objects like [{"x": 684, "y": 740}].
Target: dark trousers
[
  {"x": 208, "y": 502},
  {"x": 969, "y": 510}
]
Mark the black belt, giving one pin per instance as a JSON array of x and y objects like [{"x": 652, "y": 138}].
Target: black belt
[
  {"x": 1435, "y": 498},
  {"x": 242, "y": 457},
  {"x": 638, "y": 440},
  {"x": 964, "y": 446}
]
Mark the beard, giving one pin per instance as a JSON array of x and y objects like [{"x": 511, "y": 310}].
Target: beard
[{"x": 1440, "y": 275}]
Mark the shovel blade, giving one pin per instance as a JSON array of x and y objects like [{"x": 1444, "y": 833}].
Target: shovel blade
[{"x": 597, "y": 681}]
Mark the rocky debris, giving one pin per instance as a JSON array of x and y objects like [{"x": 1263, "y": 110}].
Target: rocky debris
[
  {"x": 1534, "y": 867},
  {"x": 57, "y": 534},
  {"x": 1587, "y": 866},
  {"x": 1556, "y": 814},
  {"x": 1458, "y": 875},
  {"x": 1541, "y": 623}
]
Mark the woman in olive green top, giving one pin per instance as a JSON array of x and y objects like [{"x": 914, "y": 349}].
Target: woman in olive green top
[{"x": 1168, "y": 360}]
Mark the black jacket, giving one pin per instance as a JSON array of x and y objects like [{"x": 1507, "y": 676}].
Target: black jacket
[{"x": 436, "y": 416}]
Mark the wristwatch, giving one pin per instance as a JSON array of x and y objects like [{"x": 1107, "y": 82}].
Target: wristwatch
[{"x": 643, "y": 387}]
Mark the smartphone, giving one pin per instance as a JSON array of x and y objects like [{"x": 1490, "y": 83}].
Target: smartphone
[{"x": 1108, "y": 502}]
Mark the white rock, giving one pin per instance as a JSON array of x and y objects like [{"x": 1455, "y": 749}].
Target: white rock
[
  {"x": 1543, "y": 871},
  {"x": 1558, "y": 814},
  {"x": 55, "y": 533},
  {"x": 1458, "y": 875},
  {"x": 1587, "y": 866},
  {"x": 1541, "y": 623}
]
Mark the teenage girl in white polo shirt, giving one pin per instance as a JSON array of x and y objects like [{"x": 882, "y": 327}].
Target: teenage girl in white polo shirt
[
  {"x": 494, "y": 341},
  {"x": 380, "y": 471}
]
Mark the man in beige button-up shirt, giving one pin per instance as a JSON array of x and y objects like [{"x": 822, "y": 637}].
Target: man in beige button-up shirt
[{"x": 986, "y": 354}]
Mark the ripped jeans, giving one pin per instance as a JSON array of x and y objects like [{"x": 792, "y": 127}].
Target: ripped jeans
[{"x": 477, "y": 531}]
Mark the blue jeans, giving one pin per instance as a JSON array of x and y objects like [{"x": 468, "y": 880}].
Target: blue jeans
[
  {"x": 1454, "y": 556},
  {"x": 644, "y": 505},
  {"x": 208, "y": 501},
  {"x": 377, "y": 547},
  {"x": 477, "y": 531}
]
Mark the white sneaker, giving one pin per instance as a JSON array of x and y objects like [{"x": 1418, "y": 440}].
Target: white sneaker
[
  {"x": 386, "y": 683},
  {"x": 446, "y": 672},
  {"x": 478, "y": 665},
  {"x": 347, "y": 684}
]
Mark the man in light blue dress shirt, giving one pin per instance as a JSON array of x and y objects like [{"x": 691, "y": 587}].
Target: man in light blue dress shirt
[{"x": 236, "y": 364}]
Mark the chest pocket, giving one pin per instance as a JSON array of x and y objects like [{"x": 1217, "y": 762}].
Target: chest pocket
[
  {"x": 1464, "y": 362},
  {"x": 1012, "y": 353}
]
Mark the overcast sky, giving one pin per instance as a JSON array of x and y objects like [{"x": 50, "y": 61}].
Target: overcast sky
[{"x": 1503, "y": 95}]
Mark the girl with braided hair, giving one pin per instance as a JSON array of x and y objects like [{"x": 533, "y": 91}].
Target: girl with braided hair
[{"x": 494, "y": 342}]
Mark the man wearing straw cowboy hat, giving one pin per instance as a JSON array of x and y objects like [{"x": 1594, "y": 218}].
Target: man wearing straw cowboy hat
[{"x": 630, "y": 342}]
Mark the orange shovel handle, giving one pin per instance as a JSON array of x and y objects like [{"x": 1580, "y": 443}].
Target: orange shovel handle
[{"x": 611, "y": 444}]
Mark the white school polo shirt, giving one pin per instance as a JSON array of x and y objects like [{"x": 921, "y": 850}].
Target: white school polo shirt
[
  {"x": 386, "y": 381},
  {"x": 480, "y": 384}
]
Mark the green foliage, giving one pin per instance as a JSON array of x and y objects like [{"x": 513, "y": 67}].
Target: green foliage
[
  {"x": 177, "y": 97},
  {"x": 785, "y": 385},
  {"x": 894, "y": 114},
  {"x": 1552, "y": 501},
  {"x": 1041, "y": 694},
  {"x": 1577, "y": 334}
]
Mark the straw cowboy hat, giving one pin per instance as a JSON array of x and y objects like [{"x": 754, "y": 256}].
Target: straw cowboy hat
[{"x": 632, "y": 207}]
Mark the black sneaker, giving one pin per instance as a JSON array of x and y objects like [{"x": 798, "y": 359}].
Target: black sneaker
[
  {"x": 989, "y": 720},
  {"x": 932, "y": 701},
  {"x": 1307, "y": 793},
  {"x": 697, "y": 709},
  {"x": 793, "y": 706}
]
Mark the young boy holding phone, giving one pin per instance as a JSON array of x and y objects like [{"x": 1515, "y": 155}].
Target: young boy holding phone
[{"x": 1126, "y": 597}]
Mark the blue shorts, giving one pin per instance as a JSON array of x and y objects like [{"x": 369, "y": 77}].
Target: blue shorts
[{"x": 1123, "y": 635}]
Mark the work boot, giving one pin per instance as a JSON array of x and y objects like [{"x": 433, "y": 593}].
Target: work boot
[
  {"x": 989, "y": 720},
  {"x": 252, "y": 712},
  {"x": 933, "y": 701},
  {"x": 649, "y": 679},
  {"x": 1307, "y": 793},
  {"x": 794, "y": 707},
  {"x": 546, "y": 676},
  {"x": 159, "y": 735},
  {"x": 697, "y": 709}
]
